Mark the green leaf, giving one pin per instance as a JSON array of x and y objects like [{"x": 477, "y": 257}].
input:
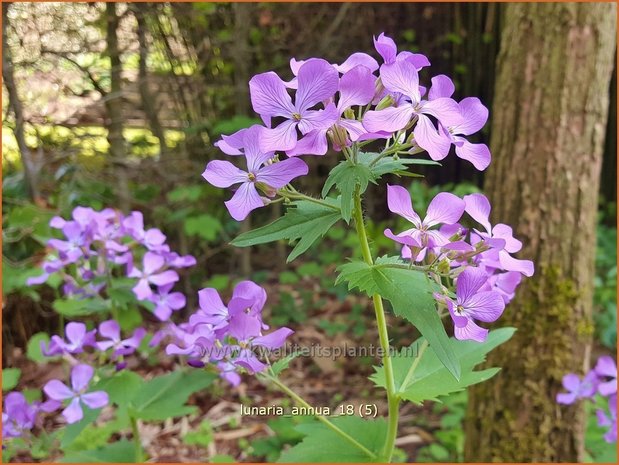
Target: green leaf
[
  {"x": 33, "y": 350},
  {"x": 304, "y": 220},
  {"x": 391, "y": 164},
  {"x": 431, "y": 379},
  {"x": 282, "y": 363},
  {"x": 122, "y": 387},
  {"x": 322, "y": 444},
  {"x": 72, "y": 431},
  {"x": 205, "y": 226},
  {"x": 347, "y": 177},
  {"x": 222, "y": 458},
  {"x": 121, "y": 451},
  {"x": 80, "y": 307},
  {"x": 165, "y": 396},
  {"x": 410, "y": 294},
  {"x": 10, "y": 378}
]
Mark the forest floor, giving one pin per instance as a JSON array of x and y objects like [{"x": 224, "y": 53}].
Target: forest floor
[{"x": 323, "y": 382}]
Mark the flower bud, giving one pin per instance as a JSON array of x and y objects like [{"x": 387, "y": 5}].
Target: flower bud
[{"x": 387, "y": 101}]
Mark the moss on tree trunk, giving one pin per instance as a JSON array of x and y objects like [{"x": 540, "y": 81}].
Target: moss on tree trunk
[{"x": 548, "y": 127}]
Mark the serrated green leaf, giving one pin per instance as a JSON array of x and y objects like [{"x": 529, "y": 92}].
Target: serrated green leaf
[
  {"x": 10, "y": 378},
  {"x": 304, "y": 220},
  {"x": 431, "y": 379},
  {"x": 410, "y": 294},
  {"x": 348, "y": 177},
  {"x": 80, "y": 307},
  {"x": 392, "y": 164},
  {"x": 282, "y": 364},
  {"x": 322, "y": 444},
  {"x": 118, "y": 452}
]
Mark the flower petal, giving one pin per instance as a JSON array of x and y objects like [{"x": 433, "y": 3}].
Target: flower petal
[
  {"x": 477, "y": 154},
  {"x": 80, "y": 376},
  {"x": 485, "y": 306},
  {"x": 390, "y": 119},
  {"x": 281, "y": 173},
  {"x": 274, "y": 340},
  {"x": 283, "y": 137},
  {"x": 357, "y": 59},
  {"x": 436, "y": 143},
  {"x": 222, "y": 173},
  {"x": 318, "y": 119},
  {"x": 386, "y": 47},
  {"x": 110, "y": 329},
  {"x": 166, "y": 277},
  {"x": 471, "y": 332},
  {"x": 478, "y": 206},
  {"x": 402, "y": 77},
  {"x": 356, "y": 88},
  {"x": 444, "y": 109},
  {"x": 232, "y": 144},
  {"x": 474, "y": 116},
  {"x": 509, "y": 263},
  {"x": 606, "y": 366},
  {"x": 97, "y": 399},
  {"x": 313, "y": 143},
  {"x": 73, "y": 413},
  {"x": 444, "y": 208},
  {"x": 442, "y": 86},
  {"x": 75, "y": 333},
  {"x": 57, "y": 390},
  {"x": 317, "y": 81},
  {"x": 469, "y": 282},
  {"x": 210, "y": 302},
  {"x": 269, "y": 95},
  {"x": 399, "y": 202},
  {"x": 251, "y": 291},
  {"x": 244, "y": 200}
]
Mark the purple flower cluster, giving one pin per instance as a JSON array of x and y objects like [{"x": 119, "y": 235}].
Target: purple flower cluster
[
  {"x": 601, "y": 380},
  {"x": 98, "y": 243},
  {"x": 479, "y": 260},
  {"x": 358, "y": 100},
  {"x": 226, "y": 336}
]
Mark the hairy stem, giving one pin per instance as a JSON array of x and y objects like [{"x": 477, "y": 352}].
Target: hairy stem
[
  {"x": 392, "y": 397},
  {"x": 296, "y": 397}
]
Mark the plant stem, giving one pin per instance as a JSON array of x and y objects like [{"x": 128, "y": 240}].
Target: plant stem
[
  {"x": 139, "y": 458},
  {"x": 392, "y": 397},
  {"x": 320, "y": 418},
  {"x": 300, "y": 196}
]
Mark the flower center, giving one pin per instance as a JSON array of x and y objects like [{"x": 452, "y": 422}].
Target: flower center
[
  {"x": 459, "y": 309},
  {"x": 296, "y": 116},
  {"x": 251, "y": 176}
]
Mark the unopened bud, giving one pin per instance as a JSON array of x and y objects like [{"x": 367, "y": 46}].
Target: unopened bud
[{"x": 387, "y": 101}]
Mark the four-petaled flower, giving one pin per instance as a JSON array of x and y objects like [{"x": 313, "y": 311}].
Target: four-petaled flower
[
  {"x": 111, "y": 331},
  {"x": 577, "y": 388},
  {"x": 221, "y": 173},
  {"x": 152, "y": 273},
  {"x": 77, "y": 338},
  {"x": 76, "y": 394}
]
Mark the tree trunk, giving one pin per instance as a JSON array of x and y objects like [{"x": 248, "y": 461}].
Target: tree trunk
[
  {"x": 113, "y": 106},
  {"x": 31, "y": 165},
  {"x": 147, "y": 99},
  {"x": 548, "y": 128}
]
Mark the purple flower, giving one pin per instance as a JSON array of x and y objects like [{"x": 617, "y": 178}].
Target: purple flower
[
  {"x": 152, "y": 238},
  {"x": 445, "y": 208},
  {"x": 152, "y": 273},
  {"x": 473, "y": 117},
  {"x": 167, "y": 302},
  {"x": 18, "y": 415},
  {"x": 111, "y": 331},
  {"x": 76, "y": 394},
  {"x": 500, "y": 237},
  {"x": 276, "y": 175},
  {"x": 606, "y": 369},
  {"x": 77, "y": 338},
  {"x": 609, "y": 420},
  {"x": 317, "y": 82},
  {"x": 355, "y": 88},
  {"x": 471, "y": 304},
  {"x": 576, "y": 388},
  {"x": 388, "y": 50}
]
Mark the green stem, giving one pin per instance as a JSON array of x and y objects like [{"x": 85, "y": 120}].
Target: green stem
[
  {"x": 139, "y": 458},
  {"x": 392, "y": 398},
  {"x": 300, "y": 196},
  {"x": 321, "y": 418}
]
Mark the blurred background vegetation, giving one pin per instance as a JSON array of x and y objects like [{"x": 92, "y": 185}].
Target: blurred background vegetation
[{"x": 119, "y": 104}]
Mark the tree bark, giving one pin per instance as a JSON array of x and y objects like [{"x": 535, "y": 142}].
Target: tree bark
[
  {"x": 113, "y": 106},
  {"x": 147, "y": 99},
  {"x": 548, "y": 126},
  {"x": 31, "y": 165}
]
